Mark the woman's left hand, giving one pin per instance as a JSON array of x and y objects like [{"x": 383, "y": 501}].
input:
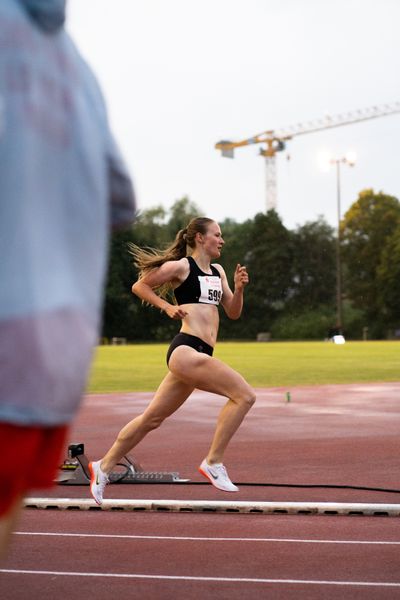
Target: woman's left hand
[{"x": 241, "y": 277}]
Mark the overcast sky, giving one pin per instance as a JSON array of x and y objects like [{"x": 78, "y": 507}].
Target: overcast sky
[{"x": 180, "y": 75}]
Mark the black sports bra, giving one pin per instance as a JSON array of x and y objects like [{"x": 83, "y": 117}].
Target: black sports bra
[{"x": 199, "y": 287}]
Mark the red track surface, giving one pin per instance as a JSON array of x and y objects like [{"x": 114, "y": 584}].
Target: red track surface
[{"x": 332, "y": 435}]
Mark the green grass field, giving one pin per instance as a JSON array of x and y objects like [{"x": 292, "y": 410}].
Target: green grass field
[{"x": 141, "y": 367}]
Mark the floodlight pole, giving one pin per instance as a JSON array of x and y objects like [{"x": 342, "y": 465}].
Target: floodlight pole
[
  {"x": 339, "y": 310},
  {"x": 339, "y": 298}
]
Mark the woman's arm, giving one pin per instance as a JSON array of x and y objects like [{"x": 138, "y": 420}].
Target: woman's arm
[
  {"x": 170, "y": 272},
  {"x": 233, "y": 301}
]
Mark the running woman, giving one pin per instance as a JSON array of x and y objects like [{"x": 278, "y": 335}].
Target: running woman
[{"x": 198, "y": 287}]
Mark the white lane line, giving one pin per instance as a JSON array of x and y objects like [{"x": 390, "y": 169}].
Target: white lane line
[
  {"x": 207, "y": 539},
  {"x": 190, "y": 578}
]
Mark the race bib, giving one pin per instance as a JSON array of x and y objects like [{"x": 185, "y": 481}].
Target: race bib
[{"x": 210, "y": 289}]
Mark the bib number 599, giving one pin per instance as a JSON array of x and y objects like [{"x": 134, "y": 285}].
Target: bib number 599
[{"x": 214, "y": 295}]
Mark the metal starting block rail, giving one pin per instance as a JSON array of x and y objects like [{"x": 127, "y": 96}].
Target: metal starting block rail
[{"x": 75, "y": 471}]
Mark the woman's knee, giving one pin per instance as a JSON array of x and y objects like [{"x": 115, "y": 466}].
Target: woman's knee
[
  {"x": 251, "y": 398},
  {"x": 247, "y": 397}
]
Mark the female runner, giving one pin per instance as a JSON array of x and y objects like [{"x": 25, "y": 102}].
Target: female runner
[{"x": 198, "y": 287}]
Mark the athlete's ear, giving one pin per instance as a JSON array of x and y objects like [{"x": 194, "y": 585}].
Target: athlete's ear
[{"x": 199, "y": 237}]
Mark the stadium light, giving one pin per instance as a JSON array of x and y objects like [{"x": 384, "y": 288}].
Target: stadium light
[{"x": 350, "y": 160}]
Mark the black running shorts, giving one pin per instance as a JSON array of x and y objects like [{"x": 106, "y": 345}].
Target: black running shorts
[{"x": 185, "y": 339}]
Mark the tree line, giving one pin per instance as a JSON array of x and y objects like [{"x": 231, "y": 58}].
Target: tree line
[{"x": 292, "y": 290}]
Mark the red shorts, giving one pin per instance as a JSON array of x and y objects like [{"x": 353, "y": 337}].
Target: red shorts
[{"x": 29, "y": 459}]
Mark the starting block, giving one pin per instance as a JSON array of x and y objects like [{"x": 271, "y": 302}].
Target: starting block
[{"x": 75, "y": 471}]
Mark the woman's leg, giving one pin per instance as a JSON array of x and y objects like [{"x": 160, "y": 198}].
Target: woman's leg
[
  {"x": 210, "y": 374},
  {"x": 170, "y": 395},
  {"x": 7, "y": 526}
]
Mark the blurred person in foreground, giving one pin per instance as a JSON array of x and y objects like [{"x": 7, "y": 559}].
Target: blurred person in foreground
[{"x": 63, "y": 186}]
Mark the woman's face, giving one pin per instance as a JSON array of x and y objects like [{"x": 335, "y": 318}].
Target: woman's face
[{"x": 212, "y": 241}]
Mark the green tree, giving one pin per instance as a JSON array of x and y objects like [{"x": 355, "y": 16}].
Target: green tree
[
  {"x": 269, "y": 260},
  {"x": 313, "y": 265},
  {"x": 303, "y": 323},
  {"x": 366, "y": 229},
  {"x": 124, "y": 314},
  {"x": 388, "y": 280},
  {"x": 235, "y": 250},
  {"x": 150, "y": 227},
  {"x": 117, "y": 320},
  {"x": 181, "y": 212},
  {"x": 309, "y": 309}
]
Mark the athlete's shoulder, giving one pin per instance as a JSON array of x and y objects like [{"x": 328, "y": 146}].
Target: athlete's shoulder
[
  {"x": 173, "y": 266},
  {"x": 219, "y": 268},
  {"x": 175, "y": 262},
  {"x": 179, "y": 269}
]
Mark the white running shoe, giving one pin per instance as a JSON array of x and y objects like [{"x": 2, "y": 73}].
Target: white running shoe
[
  {"x": 218, "y": 476},
  {"x": 98, "y": 481}
]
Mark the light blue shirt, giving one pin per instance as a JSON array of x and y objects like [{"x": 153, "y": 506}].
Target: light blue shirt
[{"x": 63, "y": 184}]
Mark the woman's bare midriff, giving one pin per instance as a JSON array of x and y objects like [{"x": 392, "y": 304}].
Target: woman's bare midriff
[{"x": 202, "y": 321}]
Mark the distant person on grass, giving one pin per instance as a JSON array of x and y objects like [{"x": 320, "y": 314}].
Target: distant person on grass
[
  {"x": 198, "y": 287},
  {"x": 63, "y": 184}
]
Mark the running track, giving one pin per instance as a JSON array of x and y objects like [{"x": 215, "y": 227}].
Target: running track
[{"x": 334, "y": 435}]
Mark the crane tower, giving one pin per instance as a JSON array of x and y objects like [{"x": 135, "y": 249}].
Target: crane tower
[{"x": 275, "y": 140}]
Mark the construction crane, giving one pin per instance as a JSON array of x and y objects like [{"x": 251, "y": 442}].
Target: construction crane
[{"x": 275, "y": 140}]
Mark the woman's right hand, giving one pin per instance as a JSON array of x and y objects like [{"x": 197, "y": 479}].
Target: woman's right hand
[{"x": 175, "y": 312}]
